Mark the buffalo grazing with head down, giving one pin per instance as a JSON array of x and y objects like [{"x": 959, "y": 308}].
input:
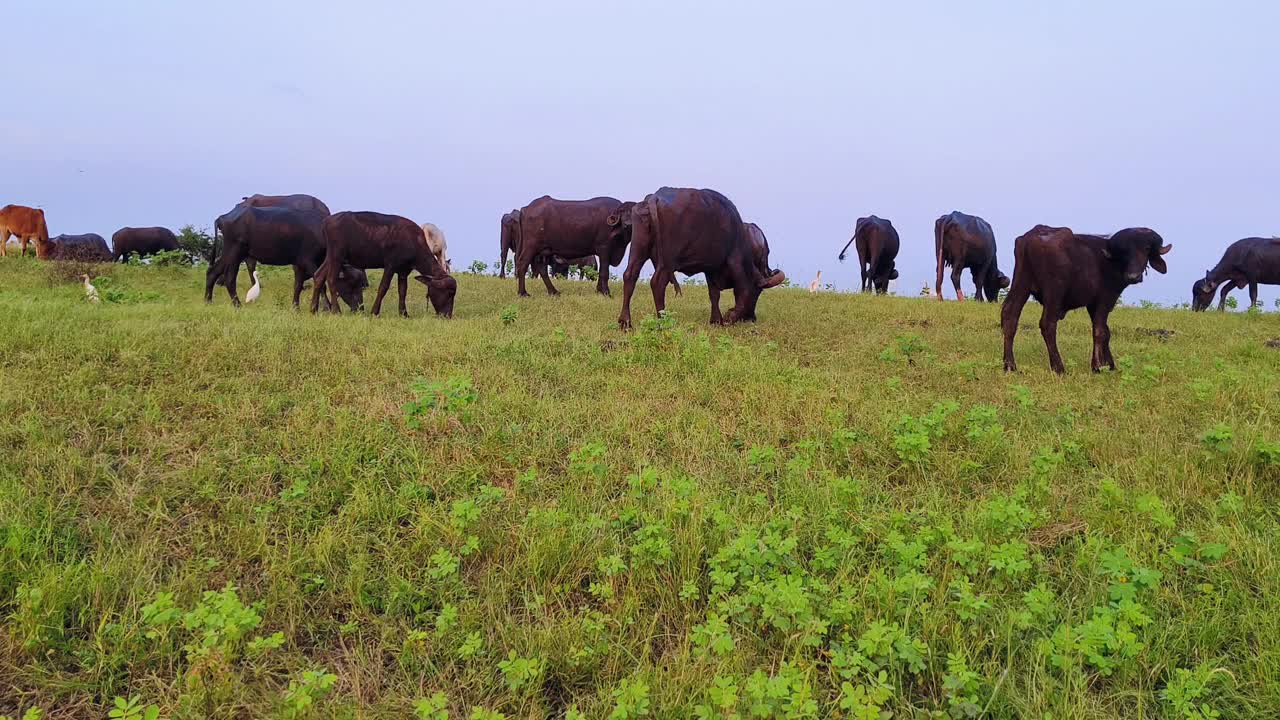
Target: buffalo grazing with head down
[
  {"x": 695, "y": 231},
  {"x": 89, "y": 247},
  {"x": 877, "y": 246},
  {"x": 142, "y": 242},
  {"x": 1064, "y": 271},
  {"x": 276, "y": 235},
  {"x": 27, "y": 224},
  {"x": 395, "y": 244},
  {"x": 1246, "y": 263},
  {"x": 966, "y": 242}
]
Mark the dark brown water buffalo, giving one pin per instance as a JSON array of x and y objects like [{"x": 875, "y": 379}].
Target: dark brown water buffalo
[
  {"x": 1246, "y": 263},
  {"x": 694, "y": 231},
  {"x": 966, "y": 242},
  {"x": 508, "y": 239},
  {"x": 1064, "y": 271},
  {"x": 142, "y": 241},
  {"x": 295, "y": 202},
  {"x": 877, "y": 245},
  {"x": 396, "y": 245},
  {"x": 568, "y": 228},
  {"x": 90, "y": 247},
  {"x": 276, "y": 236},
  {"x": 561, "y": 266}
]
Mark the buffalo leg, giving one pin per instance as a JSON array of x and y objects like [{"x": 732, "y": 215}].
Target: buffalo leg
[
  {"x": 602, "y": 279},
  {"x": 1049, "y": 331},
  {"x": 546, "y": 279},
  {"x": 957, "y": 273},
  {"x": 522, "y": 264},
  {"x": 211, "y": 279},
  {"x": 4, "y": 242},
  {"x": 1010, "y": 313},
  {"x": 658, "y": 283},
  {"x": 1253, "y": 294},
  {"x": 1227, "y": 287},
  {"x": 713, "y": 294},
  {"x": 629, "y": 279},
  {"x": 383, "y": 286},
  {"x": 1101, "y": 335},
  {"x": 402, "y": 285},
  {"x": 317, "y": 288},
  {"x": 299, "y": 277}
]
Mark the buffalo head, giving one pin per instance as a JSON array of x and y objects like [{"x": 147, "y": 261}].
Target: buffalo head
[
  {"x": 996, "y": 281},
  {"x": 1134, "y": 249},
  {"x": 1202, "y": 294},
  {"x": 620, "y": 225},
  {"x": 441, "y": 290},
  {"x": 351, "y": 284}
]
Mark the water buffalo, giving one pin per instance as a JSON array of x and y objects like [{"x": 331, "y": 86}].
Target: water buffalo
[
  {"x": 276, "y": 236},
  {"x": 297, "y": 201},
  {"x": 966, "y": 242},
  {"x": 1246, "y": 263},
  {"x": 877, "y": 246},
  {"x": 1064, "y": 271},
  {"x": 568, "y": 228},
  {"x": 395, "y": 244},
  {"x": 560, "y": 266},
  {"x": 142, "y": 242},
  {"x": 695, "y": 231},
  {"x": 90, "y": 247},
  {"x": 508, "y": 239},
  {"x": 27, "y": 224}
]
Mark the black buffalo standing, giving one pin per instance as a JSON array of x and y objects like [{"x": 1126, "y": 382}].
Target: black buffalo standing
[
  {"x": 90, "y": 247},
  {"x": 395, "y": 244},
  {"x": 571, "y": 229},
  {"x": 966, "y": 242},
  {"x": 877, "y": 245},
  {"x": 694, "y": 231},
  {"x": 1064, "y": 271},
  {"x": 1246, "y": 263},
  {"x": 142, "y": 242},
  {"x": 276, "y": 236}
]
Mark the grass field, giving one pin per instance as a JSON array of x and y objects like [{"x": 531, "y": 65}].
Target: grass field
[{"x": 845, "y": 510}]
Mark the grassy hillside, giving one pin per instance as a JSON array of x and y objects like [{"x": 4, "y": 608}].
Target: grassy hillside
[{"x": 844, "y": 510}]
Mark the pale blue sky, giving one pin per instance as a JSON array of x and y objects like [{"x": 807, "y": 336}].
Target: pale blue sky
[{"x": 1095, "y": 115}]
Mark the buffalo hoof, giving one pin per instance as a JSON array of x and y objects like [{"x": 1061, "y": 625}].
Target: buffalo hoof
[{"x": 1010, "y": 366}]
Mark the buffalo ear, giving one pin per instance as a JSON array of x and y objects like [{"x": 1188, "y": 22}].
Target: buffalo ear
[
  {"x": 613, "y": 220},
  {"x": 1157, "y": 263},
  {"x": 1004, "y": 281},
  {"x": 893, "y": 275}
]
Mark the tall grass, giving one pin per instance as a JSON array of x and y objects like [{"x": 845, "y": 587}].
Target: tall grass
[{"x": 844, "y": 510}]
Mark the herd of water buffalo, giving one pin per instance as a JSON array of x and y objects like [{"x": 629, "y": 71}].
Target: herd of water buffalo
[{"x": 677, "y": 230}]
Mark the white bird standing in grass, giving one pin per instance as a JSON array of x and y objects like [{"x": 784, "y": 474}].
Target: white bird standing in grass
[
  {"x": 90, "y": 292},
  {"x": 817, "y": 283},
  {"x": 255, "y": 290}
]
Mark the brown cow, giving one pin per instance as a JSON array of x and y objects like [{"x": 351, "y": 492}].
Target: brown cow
[
  {"x": 27, "y": 224},
  {"x": 694, "y": 231},
  {"x": 395, "y": 244},
  {"x": 967, "y": 242},
  {"x": 1064, "y": 271}
]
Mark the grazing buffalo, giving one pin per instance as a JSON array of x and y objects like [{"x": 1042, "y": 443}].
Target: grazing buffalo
[
  {"x": 695, "y": 231},
  {"x": 276, "y": 236},
  {"x": 560, "y": 266},
  {"x": 26, "y": 224},
  {"x": 395, "y": 244},
  {"x": 142, "y": 241},
  {"x": 877, "y": 246},
  {"x": 568, "y": 228},
  {"x": 439, "y": 248},
  {"x": 966, "y": 242},
  {"x": 1246, "y": 263},
  {"x": 90, "y": 247},
  {"x": 1064, "y": 271}
]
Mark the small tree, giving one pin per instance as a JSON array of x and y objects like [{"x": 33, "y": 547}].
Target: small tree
[
  {"x": 477, "y": 267},
  {"x": 197, "y": 244}
]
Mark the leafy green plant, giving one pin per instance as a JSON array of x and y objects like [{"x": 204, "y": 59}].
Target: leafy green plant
[
  {"x": 630, "y": 700},
  {"x": 303, "y": 693},
  {"x": 1189, "y": 692},
  {"x": 1217, "y": 440},
  {"x": 453, "y": 397},
  {"x": 131, "y": 708},
  {"x": 477, "y": 267},
  {"x": 522, "y": 673},
  {"x": 509, "y": 314},
  {"x": 434, "y": 707}
]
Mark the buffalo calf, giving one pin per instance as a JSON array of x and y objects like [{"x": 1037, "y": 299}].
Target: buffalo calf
[
  {"x": 1064, "y": 271},
  {"x": 1246, "y": 263}
]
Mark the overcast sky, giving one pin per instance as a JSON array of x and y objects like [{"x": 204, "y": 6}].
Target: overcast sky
[{"x": 1094, "y": 115}]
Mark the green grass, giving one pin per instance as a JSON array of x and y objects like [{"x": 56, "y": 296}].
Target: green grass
[{"x": 844, "y": 510}]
